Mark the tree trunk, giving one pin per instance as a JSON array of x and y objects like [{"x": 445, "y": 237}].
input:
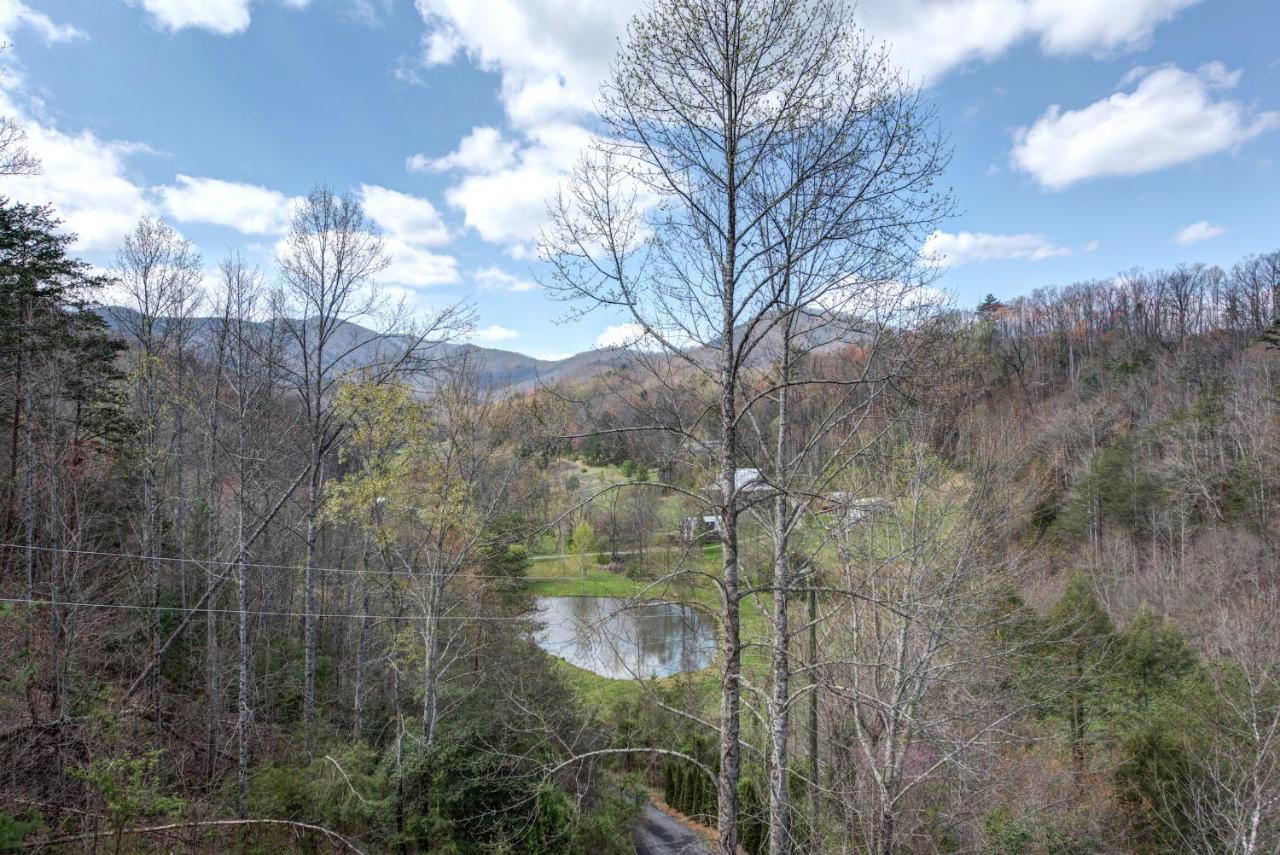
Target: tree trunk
[
  {"x": 28, "y": 483},
  {"x": 213, "y": 680},
  {"x": 431, "y": 658},
  {"x": 243, "y": 711},
  {"x": 362, "y": 652},
  {"x": 244, "y": 715},
  {"x": 309, "y": 607},
  {"x": 730, "y": 645},
  {"x": 813, "y": 712},
  {"x": 780, "y": 701}
]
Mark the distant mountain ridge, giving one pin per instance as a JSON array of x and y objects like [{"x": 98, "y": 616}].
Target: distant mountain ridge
[
  {"x": 509, "y": 370},
  {"x": 496, "y": 367}
]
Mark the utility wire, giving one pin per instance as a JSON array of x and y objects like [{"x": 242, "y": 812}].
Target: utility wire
[
  {"x": 346, "y": 615},
  {"x": 295, "y": 567}
]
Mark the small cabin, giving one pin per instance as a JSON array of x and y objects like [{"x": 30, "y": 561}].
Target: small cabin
[{"x": 700, "y": 529}]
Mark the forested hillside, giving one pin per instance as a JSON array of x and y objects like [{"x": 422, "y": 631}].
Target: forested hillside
[
  {"x": 818, "y": 561},
  {"x": 1106, "y": 457}
]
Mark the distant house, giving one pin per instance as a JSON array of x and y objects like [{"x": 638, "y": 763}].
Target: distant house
[
  {"x": 699, "y": 529},
  {"x": 746, "y": 481}
]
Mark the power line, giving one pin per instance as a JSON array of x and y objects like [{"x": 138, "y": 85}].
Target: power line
[
  {"x": 257, "y": 612},
  {"x": 295, "y": 567}
]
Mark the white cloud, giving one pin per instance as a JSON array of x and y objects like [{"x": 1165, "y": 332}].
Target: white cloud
[
  {"x": 508, "y": 205},
  {"x": 83, "y": 176},
  {"x": 15, "y": 14},
  {"x": 493, "y": 333},
  {"x": 247, "y": 208},
  {"x": 620, "y": 335},
  {"x": 1091, "y": 26},
  {"x": 482, "y": 150},
  {"x": 933, "y": 37},
  {"x": 413, "y": 265},
  {"x": 953, "y": 250},
  {"x": 410, "y": 224},
  {"x": 1171, "y": 117},
  {"x": 1196, "y": 232},
  {"x": 633, "y": 336},
  {"x": 402, "y": 217},
  {"x": 495, "y": 279},
  {"x": 224, "y": 17},
  {"x": 551, "y": 54}
]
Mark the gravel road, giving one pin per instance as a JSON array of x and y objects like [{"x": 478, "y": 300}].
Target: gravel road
[{"x": 658, "y": 834}]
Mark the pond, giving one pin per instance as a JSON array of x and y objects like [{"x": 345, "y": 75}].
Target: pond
[{"x": 617, "y": 638}]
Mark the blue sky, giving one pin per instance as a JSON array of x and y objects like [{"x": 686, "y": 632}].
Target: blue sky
[{"x": 1090, "y": 136}]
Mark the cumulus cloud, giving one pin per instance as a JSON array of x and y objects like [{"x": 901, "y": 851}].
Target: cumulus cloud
[
  {"x": 403, "y": 217},
  {"x": 953, "y": 250},
  {"x": 224, "y": 17},
  {"x": 410, "y": 224},
  {"x": 1170, "y": 117},
  {"x": 496, "y": 279},
  {"x": 83, "y": 176},
  {"x": 551, "y": 56},
  {"x": 633, "y": 336},
  {"x": 621, "y": 335},
  {"x": 247, "y": 208},
  {"x": 15, "y": 14},
  {"x": 1196, "y": 232},
  {"x": 930, "y": 38},
  {"x": 482, "y": 150},
  {"x": 416, "y": 266},
  {"x": 493, "y": 333},
  {"x": 507, "y": 205}
]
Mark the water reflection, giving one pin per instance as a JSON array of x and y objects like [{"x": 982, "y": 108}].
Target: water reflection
[{"x": 613, "y": 638}]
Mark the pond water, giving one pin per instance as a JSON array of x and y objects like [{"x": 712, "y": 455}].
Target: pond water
[{"x": 616, "y": 638}]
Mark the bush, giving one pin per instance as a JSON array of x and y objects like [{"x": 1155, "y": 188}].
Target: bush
[{"x": 13, "y": 831}]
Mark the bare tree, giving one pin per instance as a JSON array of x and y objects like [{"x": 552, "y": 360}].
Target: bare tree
[
  {"x": 248, "y": 348},
  {"x": 159, "y": 274},
  {"x": 328, "y": 269},
  {"x": 915, "y": 655},
  {"x": 1232, "y": 796},
  {"x": 729, "y": 127},
  {"x": 15, "y": 157}
]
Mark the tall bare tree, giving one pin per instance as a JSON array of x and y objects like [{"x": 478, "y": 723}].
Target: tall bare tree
[
  {"x": 328, "y": 290},
  {"x": 159, "y": 274},
  {"x": 727, "y": 126}
]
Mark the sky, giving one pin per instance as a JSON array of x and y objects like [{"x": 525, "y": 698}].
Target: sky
[{"x": 1090, "y": 136}]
